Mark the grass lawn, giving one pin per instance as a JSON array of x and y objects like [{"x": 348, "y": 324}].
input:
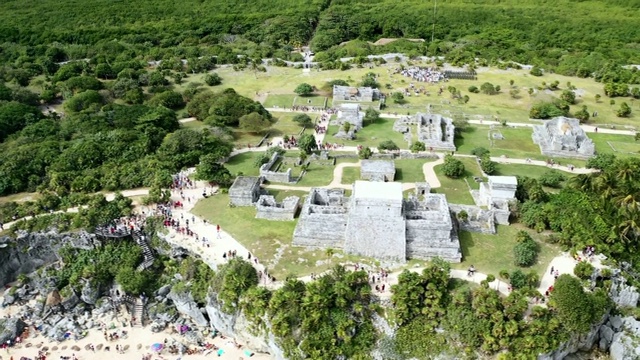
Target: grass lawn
[
  {"x": 244, "y": 163},
  {"x": 410, "y": 170},
  {"x": 370, "y": 135},
  {"x": 457, "y": 190},
  {"x": 350, "y": 175},
  {"x": 243, "y": 139},
  {"x": 313, "y": 100},
  {"x": 279, "y": 100},
  {"x": 285, "y": 125},
  {"x": 319, "y": 175},
  {"x": 532, "y": 171},
  {"x": 492, "y": 253},
  {"x": 194, "y": 125},
  {"x": 269, "y": 241},
  {"x": 281, "y": 194},
  {"x": 623, "y": 145}
]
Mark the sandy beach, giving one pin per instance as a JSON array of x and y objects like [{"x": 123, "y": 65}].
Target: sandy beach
[{"x": 138, "y": 343}]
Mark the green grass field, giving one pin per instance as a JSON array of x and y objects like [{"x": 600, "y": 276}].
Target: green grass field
[
  {"x": 492, "y": 253},
  {"x": 409, "y": 170},
  {"x": 269, "y": 241},
  {"x": 532, "y": 171},
  {"x": 313, "y": 100},
  {"x": 350, "y": 175},
  {"x": 623, "y": 145},
  {"x": 457, "y": 190},
  {"x": 320, "y": 175},
  {"x": 279, "y": 100},
  {"x": 284, "y": 125},
  {"x": 370, "y": 135},
  {"x": 244, "y": 163}
]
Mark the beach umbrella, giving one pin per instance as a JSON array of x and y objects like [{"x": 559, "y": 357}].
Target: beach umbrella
[
  {"x": 157, "y": 347},
  {"x": 220, "y": 352}
]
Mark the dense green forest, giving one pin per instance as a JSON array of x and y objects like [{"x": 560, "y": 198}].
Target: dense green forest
[{"x": 565, "y": 35}]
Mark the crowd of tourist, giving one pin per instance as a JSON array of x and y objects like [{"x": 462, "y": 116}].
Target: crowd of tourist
[{"x": 429, "y": 75}]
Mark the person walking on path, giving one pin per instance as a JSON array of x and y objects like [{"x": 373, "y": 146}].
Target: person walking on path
[{"x": 218, "y": 229}]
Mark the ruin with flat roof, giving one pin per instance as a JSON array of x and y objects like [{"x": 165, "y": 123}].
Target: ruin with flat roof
[
  {"x": 496, "y": 195},
  {"x": 350, "y": 93},
  {"x": 562, "y": 136},
  {"x": 435, "y": 131},
  {"x": 377, "y": 221},
  {"x": 350, "y": 113},
  {"x": 377, "y": 170},
  {"x": 245, "y": 190}
]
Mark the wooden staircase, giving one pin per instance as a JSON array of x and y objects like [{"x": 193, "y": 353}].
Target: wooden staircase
[
  {"x": 140, "y": 239},
  {"x": 138, "y": 313}
]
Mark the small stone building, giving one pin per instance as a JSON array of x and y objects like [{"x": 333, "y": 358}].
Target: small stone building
[
  {"x": 350, "y": 113},
  {"x": 349, "y": 93},
  {"x": 496, "y": 194},
  {"x": 245, "y": 190},
  {"x": 268, "y": 208},
  {"x": 377, "y": 170},
  {"x": 270, "y": 171},
  {"x": 562, "y": 136}
]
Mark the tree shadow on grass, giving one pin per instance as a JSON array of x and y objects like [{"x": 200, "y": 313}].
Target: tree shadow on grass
[{"x": 467, "y": 243}]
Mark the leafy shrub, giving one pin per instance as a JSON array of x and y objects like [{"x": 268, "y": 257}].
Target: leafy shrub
[
  {"x": 452, "y": 167},
  {"x": 480, "y": 151},
  {"x": 547, "y": 110},
  {"x": 213, "y": 79},
  {"x": 473, "y": 89},
  {"x": 525, "y": 251},
  {"x": 552, "y": 178},
  {"x": 488, "y": 166},
  {"x": 417, "y": 147},
  {"x": 388, "y": 145},
  {"x": 463, "y": 215},
  {"x": 536, "y": 71},
  {"x": 518, "y": 279},
  {"x": 365, "y": 153},
  {"x": 583, "y": 270}
]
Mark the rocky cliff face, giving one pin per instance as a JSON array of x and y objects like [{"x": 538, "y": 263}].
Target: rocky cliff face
[{"x": 29, "y": 251}]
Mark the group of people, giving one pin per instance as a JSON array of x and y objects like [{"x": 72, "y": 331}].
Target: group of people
[
  {"x": 305, "y": 108},
  {"x": 430, "y": 75}
]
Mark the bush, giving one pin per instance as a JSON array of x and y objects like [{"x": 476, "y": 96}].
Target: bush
[
  {"x": 552, "y": 178},
  {"x": 388, "y": 145},
  {"x": 365, "y": 153},
  {"x": 480, "y": 152},
  {"x": 473, "y": 89},
  {"x": 213, "y": 79},
  {"x": 464, "y": 216},
  {"x": 518, "y": 279},
  {"x": 417, "y": 147},
  {"x": 526, "y": 250},
  {"x": 452, "y": 167},
  {"x": 583, "y": 270},
  {"x": 536, "y": 71},
  {"x": 488, "y": 166}
]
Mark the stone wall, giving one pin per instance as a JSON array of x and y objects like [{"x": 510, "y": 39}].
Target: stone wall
[
  {"x": 270, "y": 174},
  {"x": 480, "y": 220},
  {"x": 323, "y": 219},
  {"x": 377, "y": 237},
  {"x": 245, "y": 191},
  {"x": 563, "y": 137},
  {"x": 424, "y": 242},
  {"x": 268, "y": 208}
]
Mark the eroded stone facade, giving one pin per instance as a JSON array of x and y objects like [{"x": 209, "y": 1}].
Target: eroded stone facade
[
  {"x": 377, "y": 170},
  {"x": 562, "y": 136},
  {"x": 270, "y": 171}
]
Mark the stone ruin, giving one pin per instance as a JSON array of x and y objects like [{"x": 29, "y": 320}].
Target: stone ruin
[
  {"x": 562, "y": 136},
  {"x": 497, "y": 194},
  {"x": 434, "y": 130},
  {"x": 350, "y": 113},
  {"x": 245, "y": 190},
  {"x": 377, "y": 170},
  {"x": 269, "y": 171},
  {"x": 349, "y": 93},
  {"x": 268, "y": 208},
  {"x": 376, "y": 221}
]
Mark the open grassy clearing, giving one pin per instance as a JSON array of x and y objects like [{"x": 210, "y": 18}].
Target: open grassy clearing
[
  {"x": 20, "y": 197},
  {"x": 284, "y": 101},
  {"x": 457, "y": 190},
  {"x": 313, "y": 100},
  {"x": 269, "y": 241},
  {"x": 350, "y": 175},
  {"x": 244, "y": 164},
  {"x": 370, "y": 135},
  {"x": 492, "y": 253},
  {"x": 622, "y": 145},
  {"x": 320, "y": 175},
  {"x": 532, "y": 171},
  {"x": 285, "y": 125},
  {"x": 282, "y": 81},
  {"x": 410, "y": 170}
]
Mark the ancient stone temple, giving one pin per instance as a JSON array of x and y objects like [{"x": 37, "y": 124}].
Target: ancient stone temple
[
  {"x": 562, "y": 136},
  {"x": 496, "y": 194},
  {"x": 268, "y": 208},
  {"x": 245, "y": 190},
  {"x": 377, "y": 221},
  {"x": 362, "y": 94},
  {"x": 377, "y": 170},
  {"x": 434, "y": 130},
  {"x": 352, "y": 114}
]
